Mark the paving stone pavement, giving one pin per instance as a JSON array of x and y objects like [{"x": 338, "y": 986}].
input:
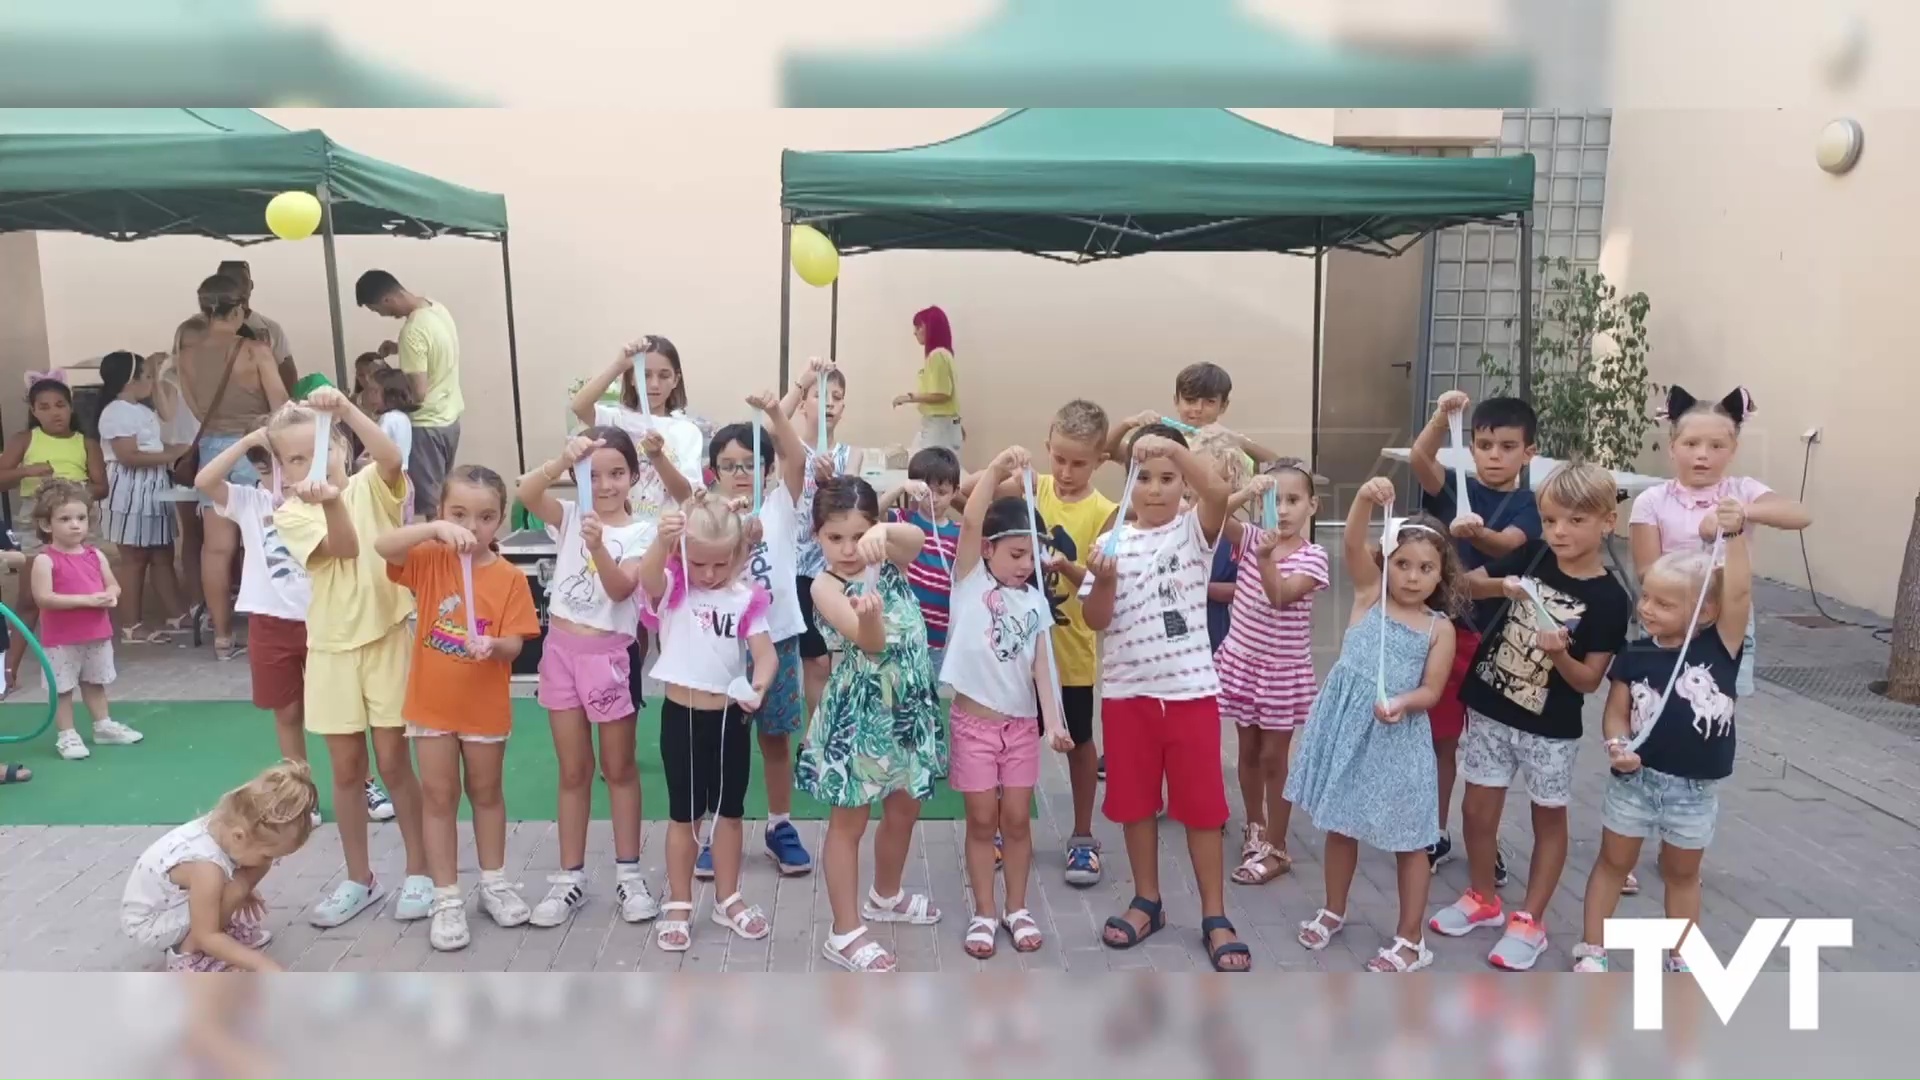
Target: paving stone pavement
[{"x": 1821, "y": 818}]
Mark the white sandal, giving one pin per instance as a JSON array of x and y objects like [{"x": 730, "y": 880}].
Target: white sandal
[
  {"x": 918, "y": 912},
  {"x": 740, "y": 923},
  {"x": 1317, "y": 933},
  {"x": 666, "y": 926},
  {"x": 872, "y": 957},
  {"x": 1390, "y": 960},
  {"x": 1026, "y": 932},
  {"x": 982, "y": 931}
]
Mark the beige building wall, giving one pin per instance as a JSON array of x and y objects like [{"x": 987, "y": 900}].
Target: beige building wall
[
  {"x": 1766, "y": 271},
  {"x": 626, "y": 223}
]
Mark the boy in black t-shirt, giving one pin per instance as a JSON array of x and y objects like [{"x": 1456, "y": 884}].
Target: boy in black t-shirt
[
  {"x": 1668, "y": 786},
  {"x": 1523, "y": 692}
]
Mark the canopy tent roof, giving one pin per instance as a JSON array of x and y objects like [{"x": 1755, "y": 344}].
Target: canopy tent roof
[
  {"x": 131, "y": 174},
  {"x": 1102, "y": 183}
]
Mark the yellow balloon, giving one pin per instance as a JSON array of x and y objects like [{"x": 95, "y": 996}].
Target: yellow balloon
[
  {"x": 293, "y": 215},
  {"x": 814, "y": 257}
]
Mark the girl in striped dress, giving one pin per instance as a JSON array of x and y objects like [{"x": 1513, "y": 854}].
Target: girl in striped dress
[
  {"x": 1266, "y": 663},
  {"x": 138, "y": 521}
]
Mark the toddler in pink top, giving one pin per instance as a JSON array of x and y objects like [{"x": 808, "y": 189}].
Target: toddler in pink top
[
  {"x": 1679, "y": 515},
  {"x": 76, "y": 593}
]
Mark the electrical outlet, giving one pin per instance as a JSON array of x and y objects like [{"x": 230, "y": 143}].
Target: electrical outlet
[{"x": 1811, "y": 435}]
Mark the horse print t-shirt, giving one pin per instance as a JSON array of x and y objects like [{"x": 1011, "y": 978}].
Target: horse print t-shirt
[{"x": 1693, "y": 736}]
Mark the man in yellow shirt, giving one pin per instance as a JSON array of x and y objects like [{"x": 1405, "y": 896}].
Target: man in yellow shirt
[{"x": 429, "y": 351}]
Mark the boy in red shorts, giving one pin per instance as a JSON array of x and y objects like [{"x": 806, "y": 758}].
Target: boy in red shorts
[
  {"x": 1147, "y": 597},
  {"x": 1498, "y": 517}
]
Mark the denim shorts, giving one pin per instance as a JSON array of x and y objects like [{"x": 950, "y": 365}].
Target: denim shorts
[
  {"x": 1648, "y": 803},
  {"x": 243, "y": 473}
]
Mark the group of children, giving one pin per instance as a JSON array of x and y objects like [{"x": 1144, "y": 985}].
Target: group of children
[{"x": 788, "y": 598}]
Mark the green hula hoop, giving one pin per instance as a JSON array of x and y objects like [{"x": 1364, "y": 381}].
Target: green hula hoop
[{"x": 46, "y": 667}]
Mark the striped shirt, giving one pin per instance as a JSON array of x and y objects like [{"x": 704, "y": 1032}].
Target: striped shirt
[
  {"x": 931, "y": 573},
  {"x": 1270, "y": 649},
  {"x": 1156, "y": 646}
]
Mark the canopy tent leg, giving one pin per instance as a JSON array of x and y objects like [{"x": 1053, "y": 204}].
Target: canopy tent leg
[
  {"x": 833, "y": 325},
  {"x": 1319, "y": 284},
  {"x": 513, "y": 357},
  {"x": 786, "y": 293},
  {"x": 1526, "y": 306},
  {"x": 333, "y": 291}
]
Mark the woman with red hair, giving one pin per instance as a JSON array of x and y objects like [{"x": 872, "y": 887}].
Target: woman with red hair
[{"x": 935, "y": 392}]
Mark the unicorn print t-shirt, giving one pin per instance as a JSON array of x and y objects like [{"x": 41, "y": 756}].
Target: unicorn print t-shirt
[
  {"x": 990, "y": 642},
  {"x": 449, "y": 688},
  {"x": 272, "y": 581},
  {"x": 1693, "y": 736}
]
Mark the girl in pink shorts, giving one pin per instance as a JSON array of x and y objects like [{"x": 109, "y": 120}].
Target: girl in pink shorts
[
  {"x": 584, "y": 665},
  {"x": 994, "y": 661}
]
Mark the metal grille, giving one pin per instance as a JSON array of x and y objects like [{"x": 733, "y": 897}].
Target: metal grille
[
  {"x": 1475, "y": 268},
  {"x": 1847, "y": 688}
]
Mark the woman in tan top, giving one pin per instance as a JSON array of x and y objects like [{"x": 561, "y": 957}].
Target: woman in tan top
[{"x": 253, "y": 390}]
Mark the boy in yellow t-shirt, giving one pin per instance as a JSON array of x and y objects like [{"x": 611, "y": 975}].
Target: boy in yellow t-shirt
[
  {"x": 1076, "y": 445},
  {"x": 357, "y": 639}
]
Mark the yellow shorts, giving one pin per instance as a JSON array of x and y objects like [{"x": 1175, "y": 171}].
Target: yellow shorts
[{"x": 347, "y": 692}]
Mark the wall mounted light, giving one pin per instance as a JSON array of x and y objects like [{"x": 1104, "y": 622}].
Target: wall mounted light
[{"x": 1839, "y": 145}]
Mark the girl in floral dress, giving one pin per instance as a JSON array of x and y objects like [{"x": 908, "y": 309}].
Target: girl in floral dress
[{"x": 873, "y": 738}]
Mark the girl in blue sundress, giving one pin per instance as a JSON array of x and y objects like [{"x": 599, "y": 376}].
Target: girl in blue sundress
[
  {"x": 1365, "y": 771},
  {"x": 873, "y": 739}
]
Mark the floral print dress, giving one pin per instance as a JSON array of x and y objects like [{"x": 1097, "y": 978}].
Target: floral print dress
[{"x": 875, "y": 733}]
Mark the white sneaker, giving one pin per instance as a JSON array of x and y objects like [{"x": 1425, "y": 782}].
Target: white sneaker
[
  {"x": 114, "y": 733},
  {"x": 566, "y": 896},
  {"x": 314, "y": 819},
  {"x": 379, "y": 807},
  {"x": 636, "y": 903},
  {"x": 69, "y": 745},
  {"x": 503, "y": 904},
  {"x": 448, "y": 930}
]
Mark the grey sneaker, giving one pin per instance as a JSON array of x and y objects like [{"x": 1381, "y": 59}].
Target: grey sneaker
[
  {"x": 1520, "y": 947},
  {"x": 1467, "y": 914},
  {"x": 114, "y": 733}
]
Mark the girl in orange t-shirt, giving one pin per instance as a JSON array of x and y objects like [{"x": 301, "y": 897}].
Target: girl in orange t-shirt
[{"x": 457, "y": 709}]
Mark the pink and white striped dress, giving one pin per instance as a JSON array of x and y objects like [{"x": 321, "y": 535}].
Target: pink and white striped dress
[{"x": 1266, "y": 663}]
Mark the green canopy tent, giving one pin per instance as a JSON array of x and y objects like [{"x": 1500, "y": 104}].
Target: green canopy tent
[
  {"x": 1086, "y": 185},
  {"x": 134, "y": 174}
]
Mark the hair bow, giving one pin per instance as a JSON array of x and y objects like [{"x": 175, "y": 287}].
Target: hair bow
[{"x": 56, "y": 375}]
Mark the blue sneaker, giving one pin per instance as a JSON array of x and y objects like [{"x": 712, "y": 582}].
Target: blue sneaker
[
  {"x": 1083, "y": 862},
  {"x": 786, "y": 850},
  {"x": 703, "y": 866}
]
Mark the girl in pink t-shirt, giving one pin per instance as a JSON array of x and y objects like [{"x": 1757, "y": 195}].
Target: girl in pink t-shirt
[{"x": 1679, "y": 514}]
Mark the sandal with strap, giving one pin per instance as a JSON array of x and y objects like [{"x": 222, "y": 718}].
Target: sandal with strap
[
  {"x": 918, "y": 912},
  {"x": 668, "y": 927},
  {"x": 15, "y": 773},
  {"x": 871, "y": 957},
  {"x": 1026, "y": 932},
  {"x": 1218, "y": 954},
  {"x": 1390, "y": 960},
  {"x": 1316, "y": 933},
  {"x": 1156, "y": 921},
  {"x": 982, "y": 933},
  {"x": 1255, "y": 869},
  {"x": 743, "y": 922},
  {"x": 138, "y": 634}
]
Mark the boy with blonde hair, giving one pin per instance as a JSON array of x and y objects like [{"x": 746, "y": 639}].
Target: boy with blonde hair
[{"x": 1549, "y": 646}]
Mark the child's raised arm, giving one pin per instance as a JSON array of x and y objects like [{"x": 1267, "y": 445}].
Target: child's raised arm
[
  {"x": 211, "y": 480},
  {"x": 394, "y": 544},
  {"x": 1359, "y": 559},
  {"x": 815, "y": 370},
  {"x": 1231, "y": 529},
  {"x": 653, "y": 447},
  {"x": 1425, "y": 454},
  {"x": 1117, "y": 440},
  {"x": 595, "y": 388},
  {"x": 385, "y": 454},
  {"x": 858, "y": 619},
  {"x": 651, "y": 573},
  {"x": 789, "y": 450},
  {"x": 533, "y": 488},
  {"x": 1736, "y": 577},
  {"x": 896, "y": 542},
  {"x": 1280, "y": 589},
  {"x": 1007, "y": 463},
  {"x": 1776, "y": 511}
]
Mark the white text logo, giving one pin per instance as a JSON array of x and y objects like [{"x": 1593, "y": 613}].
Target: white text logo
[{"x": 1726, "y": 986}]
